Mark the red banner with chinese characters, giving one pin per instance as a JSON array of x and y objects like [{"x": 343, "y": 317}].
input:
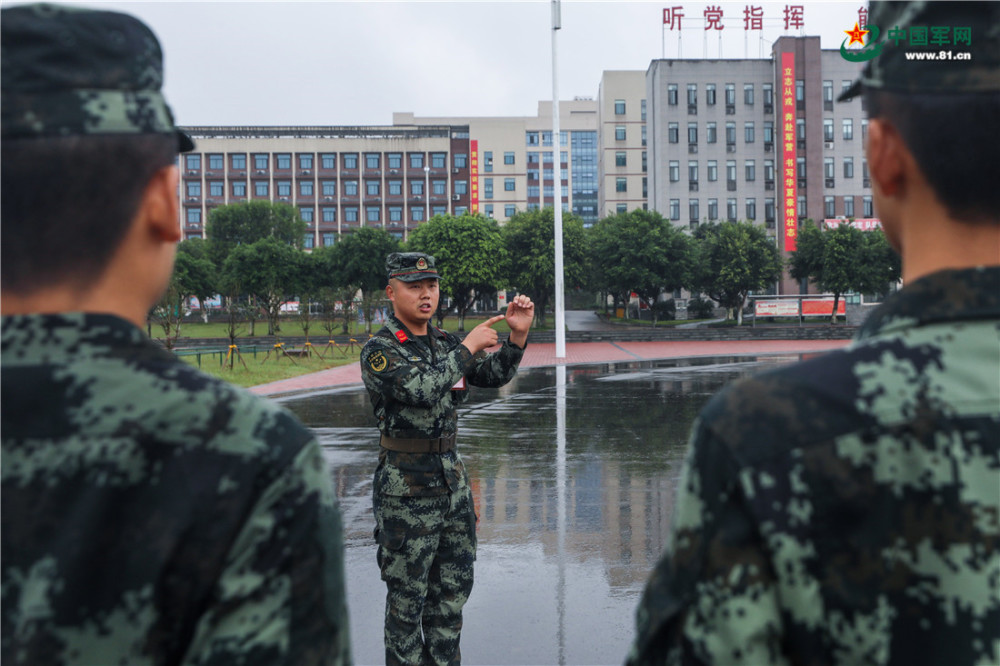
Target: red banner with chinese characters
[
  {"x": 788, "y": 175},
  {"x": 474, "y": 176}
]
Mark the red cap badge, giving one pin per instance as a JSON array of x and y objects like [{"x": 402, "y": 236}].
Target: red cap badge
[{"x": 401, "y": 336}]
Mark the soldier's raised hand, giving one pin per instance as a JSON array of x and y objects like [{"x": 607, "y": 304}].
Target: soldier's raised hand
[{"x": 482, "y": 336}]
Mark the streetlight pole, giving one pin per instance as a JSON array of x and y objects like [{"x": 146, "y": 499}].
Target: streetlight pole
[
  {"x": 427, "y": 193},
  {"x": 557, "y": 194}
]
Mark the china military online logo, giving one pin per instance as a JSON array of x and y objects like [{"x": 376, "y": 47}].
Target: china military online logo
[{"x": 869, "y": 49}]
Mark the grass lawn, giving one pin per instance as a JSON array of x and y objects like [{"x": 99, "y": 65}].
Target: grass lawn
[
  {"x": 264, "y": 369},
  {"x": 662, "y": 322}
]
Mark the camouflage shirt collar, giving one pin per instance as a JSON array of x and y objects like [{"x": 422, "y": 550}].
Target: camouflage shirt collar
[
  {"x": 949, "y": 295},
  {"x": 395, "y": 325},
  {"x": 54, "y": 338}
]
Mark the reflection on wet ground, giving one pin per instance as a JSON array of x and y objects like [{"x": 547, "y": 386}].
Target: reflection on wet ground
[{"x": 574, "y": 487}]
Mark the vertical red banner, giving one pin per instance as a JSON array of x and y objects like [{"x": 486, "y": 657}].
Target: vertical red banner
[
  {"x": 788, "y": 179},
  {"x": 474, "y": 176}
]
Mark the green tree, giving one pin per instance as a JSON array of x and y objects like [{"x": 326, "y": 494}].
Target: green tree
[
  {"x": 470, "y": 256},
  {"x": 246, "y": 223},
  {"x": 198, "y": 275},
  {"x": 357, "y": 261},
  {"x": 731, "y": 260},
  {"x": 530, "y": 241},
  {"x": 192, "y": 277},
  {"x": 842, "y": 259},
  {"x": 268, "y": 270},
  {"x": 639, "y": 252}
]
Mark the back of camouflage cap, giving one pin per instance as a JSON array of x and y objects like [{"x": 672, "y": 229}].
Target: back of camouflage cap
[
  {"x": 932, "y": 48},
  {"x": 67, "y": 71}
]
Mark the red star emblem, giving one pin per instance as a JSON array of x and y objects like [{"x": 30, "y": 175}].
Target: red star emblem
[{"x": 856, "y": 35}]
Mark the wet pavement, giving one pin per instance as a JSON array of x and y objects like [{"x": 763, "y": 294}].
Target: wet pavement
[{"x": 573, "y": 470}]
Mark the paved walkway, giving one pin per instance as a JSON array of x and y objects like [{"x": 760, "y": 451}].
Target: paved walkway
[{"x": 544, "y": 354}]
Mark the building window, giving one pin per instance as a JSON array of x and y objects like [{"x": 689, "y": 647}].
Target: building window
[
  {"x": 621, "y": 208},
  {"x": 215, "y": 188},
  {"x": 283, "y": 160},
  {"x": 845, "y": 84},
  {"x": 533, "y": 174},
  {"x": 350, "y": 161},
  {"x": 866, "y": 203},
  {"x": 848, "y": 167},
  {"x": 439, "y": 160},
  {"x": 329, "y": 188},
  {"x": 461, "y": 187},
  {"x": 508, "y": 157},
  {"x": 533, "y": 158},
  {"x": 260, "y": 161},
  {"x": 769, "y": 170},
  {"x": 828, "y": 94},
  {"x": 416, "y": 160},
  {"x": 692, "y": 93},
  {"x": 731, "y": 134},
  {"x": 710, "y": 132},
  {"x": 395, "y": 188},
  {"x": 395, "y": 214},
  {"x": 417, "y": 214},
  {"x": 621, "y": 185},
  {"x": 488, "y": 161},
  {"x": 372, "y": 160},
  {"x": 731, "y": 210},
  {"x": 848, "y": 129},
  {"x": 673, "y": 133},
  {"x": 849, "y": 206},
  {"x": 194, "y": 188},
  {"x": 642, "y": 112},
  {"x": 828, "y": 129},
  {"x": 769, "y": 132},
  {"x": 800, "y": 90},
  {"x": 642, "y": 130},
  {"x": 373, "y": 213},
  {"x": 748, "y": 133},
  {"x": 672, "y": 94},
  {"x": 328, "y": 160},
  {"x": 307, "y": 241},
  {"x": 828, "y": 167},
  {"x": 751, "y": 209},
  {"x": 305, "y": 188},
  {"x": 864, "y": 129},
  {"x": 239, "y": 162},
  {"x": 372, "y": 188},
  {"x": 693, "y": 212},
  {"x": 800, "y": 167},
  {"x": 730, "y": 94},
  {"x": 769, "y": 210},
  {"x": 416, "y": 187},
  {"x": 215, "y": 162},
  {"x": 710, "y": 94},
  {"x": 801, "y": 208},
  {"x": 800, "y": 129},
  {"x": 329, "y": 214},
  {"x": 194, "y": 215},
  {"x": 533, "y": 191},
  {"x": 864, "y": 169},
  {"x": 693, "y": 171},
  {"x": 731, "y": 171},
  {"x": 487, "y": 188},
  {"x": 350, "y": 214},
  {"x": 713, "y": 171},
  {"x": 306, "y": 214},
  {"x": 329, "y": 239},
  {"x": 509, "y": 210},
  {"x": 768, "y": 90},
  {"x": 674, "y": 169},
  {"x": 305, "y": 161},
  {"x": 508, "y": 184},
  {"x": 644, "y": 164},
  {"x": 489, "y": 210},
  {"x": 260, "y": 188},
  {"x": 748, "y": 94},
  {"x": 692, "y": 133},
  {"x": 750, "y": 171},
  {"x": 239, "y": 189},
  {"x": 620, "y": 159},
  {"x": 395, "y": 160},
  {"x": 350, "y": 188},
  {"x": 440, "y": 187},
  {"x": 713, "y": 209},
  {"x": 619, "y": 107},
  {"x": 829, "y": 208},
  {"x": 619, "y": 132},
  {"x": 461, "y": 160},
  {"x": 284, "y": 188},
  {"x": 192, "y": 162}
]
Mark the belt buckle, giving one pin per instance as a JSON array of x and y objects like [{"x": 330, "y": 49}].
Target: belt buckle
[{"x": 436, "y": 445}]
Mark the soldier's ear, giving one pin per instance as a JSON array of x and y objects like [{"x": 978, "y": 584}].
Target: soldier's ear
[{"x": 388, "y": 291}]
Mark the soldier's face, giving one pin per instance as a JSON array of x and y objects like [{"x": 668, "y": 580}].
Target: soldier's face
[{"x": 415, "y": 301}]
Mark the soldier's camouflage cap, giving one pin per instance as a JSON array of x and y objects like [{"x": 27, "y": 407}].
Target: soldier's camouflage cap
[
  {"x": 68, "y": 71},
  {"x": 893, "y": 71},
  {"x": 410, "y": 266}
]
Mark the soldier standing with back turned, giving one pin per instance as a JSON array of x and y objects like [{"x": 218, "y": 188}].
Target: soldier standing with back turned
[
  {"x": 846, "y": 510},
  {"x": 417, "y": 376}
]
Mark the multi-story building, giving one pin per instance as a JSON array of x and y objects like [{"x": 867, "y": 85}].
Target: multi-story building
[{"x": 621, "y": 135}]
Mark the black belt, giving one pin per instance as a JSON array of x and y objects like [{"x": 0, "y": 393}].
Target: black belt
[{"x": 437, "y": 445}]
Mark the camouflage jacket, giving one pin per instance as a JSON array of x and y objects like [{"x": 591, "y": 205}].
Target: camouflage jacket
[
  {"x": 846, "y": 510},
  {"x": 410, "y": 386},
  {"x": 154, "y": 515}
]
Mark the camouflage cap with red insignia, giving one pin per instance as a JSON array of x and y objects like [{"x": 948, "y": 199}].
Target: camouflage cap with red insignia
[{"x": 410, "y": 266}]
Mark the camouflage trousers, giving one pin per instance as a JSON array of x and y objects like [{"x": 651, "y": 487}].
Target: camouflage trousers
[{"x": 426, "y": 551}]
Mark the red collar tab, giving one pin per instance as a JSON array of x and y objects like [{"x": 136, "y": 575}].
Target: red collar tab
[{"x": 401, "y": 336}]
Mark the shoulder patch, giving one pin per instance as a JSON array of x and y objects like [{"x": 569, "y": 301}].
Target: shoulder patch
[
  {"x": 378, "y": 361},
  {"x": 401, "y": 336}
]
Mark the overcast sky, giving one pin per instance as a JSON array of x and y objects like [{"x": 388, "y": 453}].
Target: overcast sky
[{"x": 355, "y": 63}]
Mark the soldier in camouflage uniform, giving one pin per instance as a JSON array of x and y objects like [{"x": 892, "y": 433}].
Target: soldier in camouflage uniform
[
  {"x": 846, "y": 510},
  {"x": 150, "y": 513},
  {"x": 416, "y": 377}
]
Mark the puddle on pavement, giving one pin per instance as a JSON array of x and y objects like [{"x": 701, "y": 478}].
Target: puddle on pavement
[{"x": 574, "y": 486}]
